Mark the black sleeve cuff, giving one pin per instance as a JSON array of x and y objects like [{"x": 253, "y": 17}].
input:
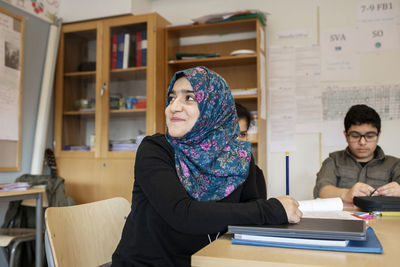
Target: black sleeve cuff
[{"x": 273, "y": 212}]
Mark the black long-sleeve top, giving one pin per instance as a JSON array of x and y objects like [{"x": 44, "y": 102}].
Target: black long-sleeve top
[{"x": 166, "y": 226}]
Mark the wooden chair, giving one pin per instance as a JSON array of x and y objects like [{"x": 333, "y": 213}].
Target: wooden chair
[
  {"x": 10, "y": 238},
  {"x": 87, "y": 234}
]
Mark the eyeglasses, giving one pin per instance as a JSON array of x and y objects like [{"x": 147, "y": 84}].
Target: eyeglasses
[{"x": 355, "y": 137}]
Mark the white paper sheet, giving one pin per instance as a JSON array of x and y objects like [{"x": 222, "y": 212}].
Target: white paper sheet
[
  {"x": 10, "y": 43},
  {"x": 321, "y": 204},
  {"x": 375, "y": 10},
  {"x": 339, "y": 60},
  {"x": 308, "y": 91},
  {"x": 378, "y": 36},
  {"x": 332, "y": 134},
  {"x": 384, "y": 98}
]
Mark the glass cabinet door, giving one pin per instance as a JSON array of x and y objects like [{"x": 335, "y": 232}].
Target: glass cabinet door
[
  {"x": 79, "y": 91},
  {"x": 127, "y": 95}
]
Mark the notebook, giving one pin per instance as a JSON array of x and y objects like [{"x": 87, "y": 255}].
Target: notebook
[
  {"x": 298, "y": 241},
  {"x": 317, "y": 228},
  {"x": 378, "y": 203},
  {"x": 370, "y": 245}
]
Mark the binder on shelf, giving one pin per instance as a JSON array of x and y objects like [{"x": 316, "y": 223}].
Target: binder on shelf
[
  {"x": 144, "y": 48},
  {"x": 132, "y": 51},
  {"x": 180, "y": 55},
  {"x": 370, "y": 245},
  {"x": 126, "y": 51},
  {"x": 120, "y": 50},
  {"x": 114, "y": 51},
  {"x": 138, "y": 49}
]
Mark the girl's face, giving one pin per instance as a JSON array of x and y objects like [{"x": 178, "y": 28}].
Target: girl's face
[{"x": 182, "y": 111}]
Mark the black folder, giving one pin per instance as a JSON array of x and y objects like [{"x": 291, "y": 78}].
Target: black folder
[
  {"x": 315, "y": 228},
  {"x": 377, "y": 203}
]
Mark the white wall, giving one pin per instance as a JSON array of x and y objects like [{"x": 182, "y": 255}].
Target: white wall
[
  {"x": 289, "y": 15},
  {"x": 76, "y": 10}
]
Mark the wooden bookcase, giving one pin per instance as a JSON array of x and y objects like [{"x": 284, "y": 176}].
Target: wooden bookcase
[
  {"x": 240, "y": 72},
  {"x": 91, "y": 111}
]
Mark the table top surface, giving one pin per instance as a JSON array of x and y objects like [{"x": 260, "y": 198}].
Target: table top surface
[
  {"x": 223, "y": 253},
  {"x": 23, "y": 192}
]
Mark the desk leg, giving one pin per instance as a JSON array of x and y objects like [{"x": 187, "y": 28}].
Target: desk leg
[{"x": 38, "y": 246}]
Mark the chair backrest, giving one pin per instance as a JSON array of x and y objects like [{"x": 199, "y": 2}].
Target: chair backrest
[{"x": 87, "y": 234}]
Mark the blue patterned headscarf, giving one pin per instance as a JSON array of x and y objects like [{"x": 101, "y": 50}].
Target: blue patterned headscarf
[{"x": 209, "y": 159}]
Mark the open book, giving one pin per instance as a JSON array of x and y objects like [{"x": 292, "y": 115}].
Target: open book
[
  {"x": 328, "y": 208},
  {"x": 321, "y": 204}
]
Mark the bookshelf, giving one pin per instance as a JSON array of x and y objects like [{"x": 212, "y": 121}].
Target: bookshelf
[
  {"x": 240, "y": 71},
  {"x": 99, "y": 104}
]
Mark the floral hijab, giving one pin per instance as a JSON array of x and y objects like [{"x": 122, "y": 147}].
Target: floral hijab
[{"x": 209, "y": 159}]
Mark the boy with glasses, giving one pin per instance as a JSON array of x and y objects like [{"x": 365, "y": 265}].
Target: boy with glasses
[{"x": 362, "y": 169}]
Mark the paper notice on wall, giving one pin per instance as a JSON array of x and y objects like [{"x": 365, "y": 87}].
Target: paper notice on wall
[
  {"x": 281, "y": 62},
  {"x": 282, "y": 115},
  {"x": 308, "y": 91},
  {"x": 377, "y": 10},
  {"x": 294, "y": 34},
  {"x": 299, "y": 68},
  {"x": 282, "y": 138},
  {"x": 378, "y": 27},
  {"x": 384, "y": 98},
  {"x": 332, "y": 134},
  {"x": 378, "y": 36},
  {"x": 10, "y": 44},
  {"x": 309, "y": 114},
  {"x": 339, "y": 60}
]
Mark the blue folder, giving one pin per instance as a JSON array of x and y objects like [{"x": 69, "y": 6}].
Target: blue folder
[{"x": 371, "y": 245}]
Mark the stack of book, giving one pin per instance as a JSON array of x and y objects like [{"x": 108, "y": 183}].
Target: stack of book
[
  {"x": 129, "y": 50},
  {"x": 123, "y": 145},
  {"x": 244, "y": 91},
  {"x": 230, "y": 16},
  {"x": 311, "y": 233},
  {"x": 341, "y": 234},
  {"x": 18, "y": 186}
]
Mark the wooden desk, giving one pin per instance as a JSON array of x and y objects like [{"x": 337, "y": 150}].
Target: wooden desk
[
  {"x": 223, "y": 253},
  {"x": 36, "y": 193}
]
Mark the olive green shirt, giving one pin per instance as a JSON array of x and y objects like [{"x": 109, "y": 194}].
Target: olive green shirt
[{"x": 342, "y": 170}]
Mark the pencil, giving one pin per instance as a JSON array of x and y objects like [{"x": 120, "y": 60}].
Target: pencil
[
  {"x": 372, "y": 192},
  {"x": 287, "y": 173}
]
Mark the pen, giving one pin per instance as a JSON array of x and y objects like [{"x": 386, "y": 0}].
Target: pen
[
  {"x": 373, "y": 192},
  {"x": 287, "y": 173}
]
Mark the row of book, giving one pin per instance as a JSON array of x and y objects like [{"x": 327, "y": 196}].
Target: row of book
[
  {"x": 126, "y": 145},
  {"x": 129, "y": 50}
]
